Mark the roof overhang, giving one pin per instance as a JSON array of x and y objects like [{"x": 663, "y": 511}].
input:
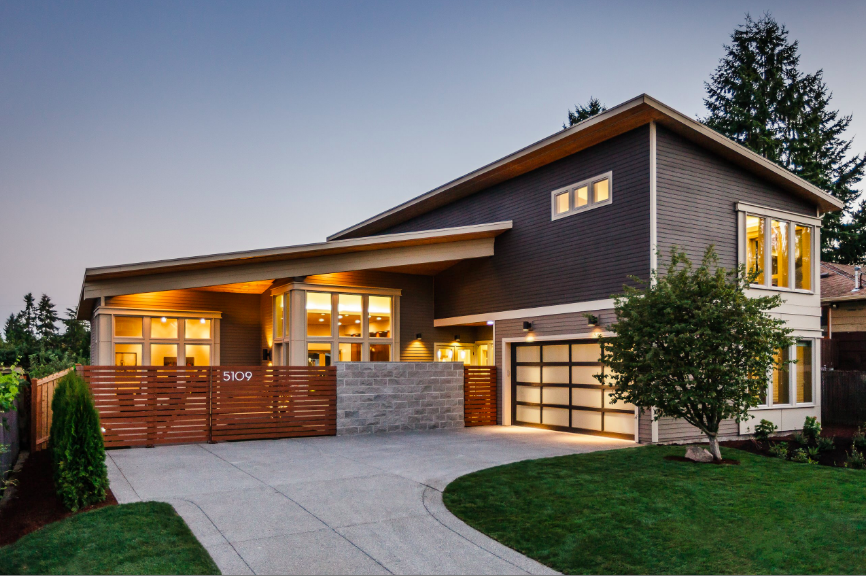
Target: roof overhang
[
  {"x": 854, "y": 296},
  {"x": 408, "y": 251},
  {"x": 613, "y": 122}
]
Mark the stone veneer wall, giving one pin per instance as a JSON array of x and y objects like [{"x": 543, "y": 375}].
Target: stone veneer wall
[{"x": 391, "y": 396}]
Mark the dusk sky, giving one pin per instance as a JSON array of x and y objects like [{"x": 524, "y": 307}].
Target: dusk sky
[{"x": 133, "y": 131}]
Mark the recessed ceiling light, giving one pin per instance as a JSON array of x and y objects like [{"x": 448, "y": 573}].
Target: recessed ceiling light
[
  {"x": 163, "y": 319},
  {"x": 357, "y": 321}
]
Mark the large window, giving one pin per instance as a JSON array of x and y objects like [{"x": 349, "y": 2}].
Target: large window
[
  {"x": 780, "y": 251},
  {"x": 162, "y": 340},
  {"x": 584, "y": 195},
  {"x": 794, "y": 383}
]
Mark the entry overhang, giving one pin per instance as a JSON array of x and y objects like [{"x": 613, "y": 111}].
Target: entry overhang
[{"x": 374, "y": 252}]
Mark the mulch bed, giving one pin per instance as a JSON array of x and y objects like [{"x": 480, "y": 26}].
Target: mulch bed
[
  {"x": 724, "y": 461},
  {"x": 35, "y": 503},
  {"x": 835, "y": 457}
]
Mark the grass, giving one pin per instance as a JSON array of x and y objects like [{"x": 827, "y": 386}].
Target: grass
[
  {"x": 632, "y": 512},
  {"x": 141, "y": 538}
]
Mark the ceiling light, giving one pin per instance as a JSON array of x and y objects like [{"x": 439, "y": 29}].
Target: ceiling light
[
  {"x": 357, "y": 321},
  {"x": 163, "y": 319},
  {"x": 378, "y": 317},
  {"x": 202, "y": 320},
  {"x": 490, "y": 322},
  {"x": 321, "y": 319}
]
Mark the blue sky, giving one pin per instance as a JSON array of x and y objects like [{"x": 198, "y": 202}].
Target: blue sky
[{"x": 140, "y": 131}]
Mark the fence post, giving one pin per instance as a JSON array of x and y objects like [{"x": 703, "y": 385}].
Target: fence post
[
  {"x": 210, "y": 372},
  {"x": 34, "y": 412}
]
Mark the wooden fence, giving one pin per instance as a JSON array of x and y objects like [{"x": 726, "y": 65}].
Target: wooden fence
[
  {"x": 479, "y": 395},
  {"x": 151, "y": 405},
  {"x": 41, "y": 394},
  {"x": 843, "y": 397}
]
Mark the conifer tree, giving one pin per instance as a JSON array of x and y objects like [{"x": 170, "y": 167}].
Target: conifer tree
[
  {"x": 46, "y": 319},
  {"x": 581, "y": 113},
  {"x": 758, "y": 97}
]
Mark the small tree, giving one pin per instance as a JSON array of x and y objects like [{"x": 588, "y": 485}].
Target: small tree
[{"x": 693, "y": 345}]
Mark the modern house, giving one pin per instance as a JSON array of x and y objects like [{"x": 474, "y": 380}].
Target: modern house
[
  {"x": 512, "y": 265},
  {"x": 843, "y": 317}
]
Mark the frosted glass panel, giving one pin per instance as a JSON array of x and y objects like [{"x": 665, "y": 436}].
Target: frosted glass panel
[
  {"x": 608, "y": 401},
  {"x": 555, "y": 416},
  {"x": 587, "y": 420},
  {"x": 584, "y": 374},
  {"x": 530, "y": 374},
  {"x": 558, "y": 353},
  {"x": 555, "y": 374},
  {"x": 586, "y": 397},
  {"x": 196, "y": 328},
  {"x": 552, "y": 395},
  {"x": 528, "y": 354},
  {"x": 619, "y": 423},
  {"x": 585, "y": 352},
  {"x": 529, "y": 394},
  {"x": 531, "y": 414}
]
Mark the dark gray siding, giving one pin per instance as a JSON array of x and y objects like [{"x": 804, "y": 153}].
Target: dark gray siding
[
  {"x": 696, "y": 196},
  {"x": 540, "y": 262}
]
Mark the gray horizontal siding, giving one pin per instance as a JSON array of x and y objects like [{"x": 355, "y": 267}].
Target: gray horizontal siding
[
  {"x": 696, "y": 196},
  {"x": 676, "y": 430},
  {"x": 540, "y": 262}
]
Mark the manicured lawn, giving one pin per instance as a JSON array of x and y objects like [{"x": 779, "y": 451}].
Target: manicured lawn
[
  {"x": 141, "y": 538},
  {"x": 632, "y": 512}
]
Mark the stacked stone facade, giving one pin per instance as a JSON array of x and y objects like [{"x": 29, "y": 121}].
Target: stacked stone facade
[{"x": 392, "y": 396}]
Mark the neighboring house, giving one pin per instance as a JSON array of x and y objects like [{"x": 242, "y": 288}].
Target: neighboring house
[
  {"x": 512, "y": 265},
  {"x": 843, "y": 317}
]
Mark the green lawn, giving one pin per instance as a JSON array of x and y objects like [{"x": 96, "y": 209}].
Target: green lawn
[
  {"x": 632, "y": 512},
  {"x": 142, "y": 538}
]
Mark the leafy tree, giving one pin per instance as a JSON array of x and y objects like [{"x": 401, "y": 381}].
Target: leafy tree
[
  {"x": 582, "y": 113},
  {"x": 692, "y": 345},
  {"x": 758, "y": 97},
  {"x": 46, "y": 318}
]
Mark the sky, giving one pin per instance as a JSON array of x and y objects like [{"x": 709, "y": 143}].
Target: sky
[{"x": 135, "y": 131}]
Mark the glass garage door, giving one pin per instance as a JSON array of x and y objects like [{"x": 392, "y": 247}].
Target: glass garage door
[{"x": 552, "y": 386}]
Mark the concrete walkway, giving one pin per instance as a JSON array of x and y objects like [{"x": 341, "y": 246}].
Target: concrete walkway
[{"x": 338, "y": 505}]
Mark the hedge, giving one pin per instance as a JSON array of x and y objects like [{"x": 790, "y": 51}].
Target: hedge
[{"x": 77, "y": 451}]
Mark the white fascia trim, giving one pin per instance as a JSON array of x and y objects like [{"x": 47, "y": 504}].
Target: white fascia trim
[
  {"x": 775, "y": 213},
  {"x": 153, "y": 312},
  {"x": 588, "y": 306},
  {"x": 335, "y": 288}
]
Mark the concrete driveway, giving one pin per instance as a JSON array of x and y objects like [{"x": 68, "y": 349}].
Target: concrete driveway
[{"x": 338, "y": 505}]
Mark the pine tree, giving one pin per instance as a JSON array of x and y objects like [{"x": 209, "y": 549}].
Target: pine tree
[
  {"x": 46, "y": 319},
  {"x": 27, "y": 317},
  {"x": 759, "y": 97},
  {"x": 581, "y": 113}
]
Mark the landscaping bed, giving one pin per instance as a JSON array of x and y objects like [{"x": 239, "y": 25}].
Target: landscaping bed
[
  {"x": 631, "y": 511},
  {"x": 835, "y": 457},
  {"x": 35, "y": 502}
]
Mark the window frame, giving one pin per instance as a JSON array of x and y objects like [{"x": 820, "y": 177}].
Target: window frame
[
  {"x": 791, "y": 221},
  {"x": 148, "y": 316},
  {"x": 792, "y": 380},
  {"x": 571, "y": 190}
]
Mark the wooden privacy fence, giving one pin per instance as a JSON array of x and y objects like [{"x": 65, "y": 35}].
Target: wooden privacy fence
[
  {"x": 151, "y": 405},
  {"x": 41, "y": 394},
  {"x": 843, "y": 397},
  {"x": 479, "y": 395}
]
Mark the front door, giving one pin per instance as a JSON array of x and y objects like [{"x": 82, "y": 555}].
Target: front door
[{"x": 553, "y": 386}]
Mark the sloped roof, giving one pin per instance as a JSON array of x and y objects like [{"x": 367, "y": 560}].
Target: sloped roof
[
  {"x": 837, "y": 283},
  {"x": 613, "y": 122}
]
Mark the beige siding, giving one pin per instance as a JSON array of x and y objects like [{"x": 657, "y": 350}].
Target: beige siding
[
  {"x": 849, "y": 317},
  {"x": 676, "y": 430},
  {"x": 94, "y": 343},
  {"x": 645, "y": 427},
  {"x": 240, "y": 327}
]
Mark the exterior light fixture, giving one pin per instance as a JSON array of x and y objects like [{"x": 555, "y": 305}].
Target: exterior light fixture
[
  {"x": 266, "y": 354},
  {"x": 527, "y": 326},
  {"x": 418, "y": 336},
  {"x": 457, "y": 337},
  {"x": 490, "y": 322}
]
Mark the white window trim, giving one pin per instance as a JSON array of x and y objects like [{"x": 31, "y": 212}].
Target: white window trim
[
  {"x": 570, "y": 191},
  {"x": 792, "y": 387}
]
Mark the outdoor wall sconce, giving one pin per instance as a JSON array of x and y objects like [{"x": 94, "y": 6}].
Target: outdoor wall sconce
[
  {"x": 266, "y": 354},
  {"x": 457, "y": 337},
  {"x": 527, "y": 326},
  {"x": 591, "y": 320},
  {"x": 418, "y": 336},
  {"x": 490, "y": 322}
]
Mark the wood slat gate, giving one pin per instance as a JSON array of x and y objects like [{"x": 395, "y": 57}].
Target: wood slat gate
[
  {"x": 151, "y": 405},
  {"x": 843, "y": 397},
  {"x": 479, "y": 395}
]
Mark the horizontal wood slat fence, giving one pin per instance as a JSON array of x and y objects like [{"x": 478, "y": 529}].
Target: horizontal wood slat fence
[
  {"x": 152, "y": 405},
  {"x": 479, "y": 395},
  {"x": 41, "y": 394},
  {"x": 843, "y": 397}
]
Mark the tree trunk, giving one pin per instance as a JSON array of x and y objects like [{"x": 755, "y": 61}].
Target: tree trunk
[{"x": 714, "y": 447}]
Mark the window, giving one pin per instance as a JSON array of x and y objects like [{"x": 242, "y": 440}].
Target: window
[
  {"x": 163, "y": 354},
  {"x": 197, "y": 355},
  {"x": 197, "y": 328},
  {"x": 380, "y": 352},
  {"x": 127, "y": 355},
  {"x": 780, "y": 251},
  {"x": 163, "y": 327},
  {"x": 278, "y": 316},
  {"x": 582, "y": 196},
  {"x": 318, "y": 314},
  {"x": 127, "y": 327},
  {"x": 350, "y": 352},
  {"x": 162, "y": 339},
  {"x": 349, "y": 308},
  {"x": 379, "y": 317},
  {"x": 319, "y": 354},
  {"x": 794, "y": 383}
]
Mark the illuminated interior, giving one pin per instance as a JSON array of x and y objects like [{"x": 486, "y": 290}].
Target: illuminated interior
[
  {"x": 781, "y": 382},
  {"x": 163, "y": 354},
  {"x": 196, "y": 328},
  {"x": 379, "y": 316},
  {"x": 318, "y": 315},
  {"x": 128, "y": 327},
  {"x": 197, "y": 354},
  {"x": 561, "y": 203},
  {"x": 319, "y": 354},
  {"x": 755, "y": 247},
  {"x": 380, "y": 352},
  {"x": 163, "y": 327},
  {"x": 779, "y": 254},
  {"x": 581, "y": 196},
  {"x": 445, "y": 354},
  {"x": 127, "y": 355},
  {"x": 278, "y": 316},
  {"x": 160, "y": 340},
  {"x": 349, "y": 310},
  {"x": 349, "y": 352},
  {"x": 601, "y": 190},
  {"x": 803, "y": 371},
  {"x": 803, "y": 257}
]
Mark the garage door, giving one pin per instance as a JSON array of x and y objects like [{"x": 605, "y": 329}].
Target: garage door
[{"x": 552, "y": 386}]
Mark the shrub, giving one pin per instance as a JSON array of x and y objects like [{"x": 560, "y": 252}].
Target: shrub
[
  {"x": 78, "y": 454},
  {"x": 812, "y": 429},
  {"x": 860, "y": 439},
  {"x": 813, "y": 452},
  {"x": 780, "y": 450},
  {"x": 763, "y": 430},
  {"x": 799, "y": 456},
  {"x": 826, "y": 444},
  {"x": 800, "y": 439},
  {"x": 855, "y": 460}
]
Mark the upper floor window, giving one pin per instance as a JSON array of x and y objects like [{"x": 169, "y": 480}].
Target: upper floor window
[
  {"x": 582, "y": 196},
  {"x": 780, "y": 251}
]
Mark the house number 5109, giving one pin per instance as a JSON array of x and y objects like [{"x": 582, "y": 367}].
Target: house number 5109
[{"x": 237, "y": 376}]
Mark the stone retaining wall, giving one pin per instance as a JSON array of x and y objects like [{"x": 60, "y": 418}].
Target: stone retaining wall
[{"x": 391, "y": 396}]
